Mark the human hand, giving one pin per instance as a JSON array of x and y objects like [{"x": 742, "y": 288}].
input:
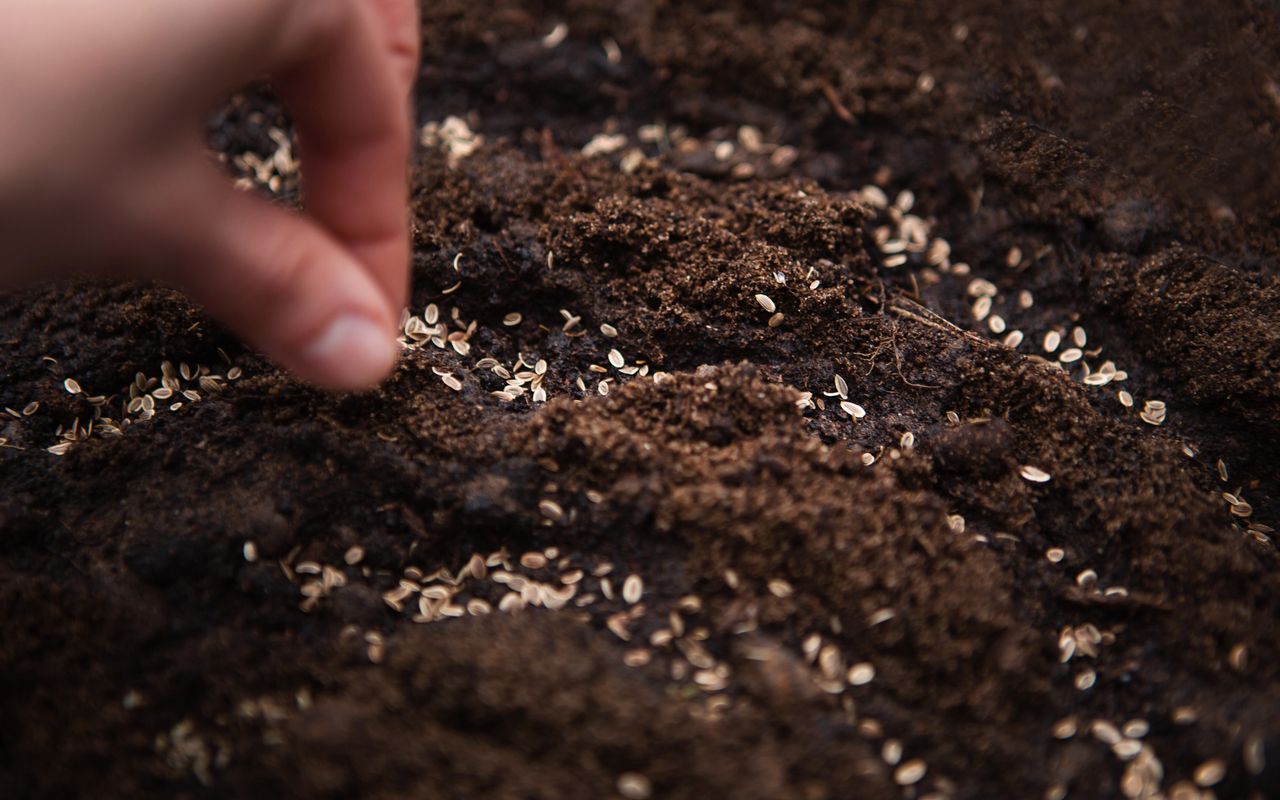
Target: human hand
[{"x": 103, "y": 165}]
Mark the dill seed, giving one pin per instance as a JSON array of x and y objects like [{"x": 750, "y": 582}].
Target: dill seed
[
  {"x": 1013, "y": 258},
  {"x": 1105, "y": 732},
  {"x": 234, "y": 373},
  {"x": 31, "y": 408},
  {"x": 1210, "y": 773},
  {"x": 1136, "y": 728},
  {"x": 1070, "y": 355},
  {"x": 634, "y": 786},
  {"x": 1126, "y": 749},
  {"x": 780, "y": 588},
  {"x": 71, "y": 386},
  {"x": 853, "y": 409},
  {"x": 1051, "y": 341},
  {"x": 551, "y": 510},
  {"x": 910, "y": 773},
  {"x": 996, "y": 323},
  {"x": 1125, "y": 398},
  {"x": 1064, "y": 728},
  {"x": 616, "y": 360},
  {"x": 1034, "y": 474},
  {"x": 1085, "y": 680},
  {"x": 533, "y": 560},
  {"x": 609, "y": 330},
  {"x": 452, "y": 382},
  {"x": 250, "y": 551},
  {"x": 513, "y": 319},
  {"x": 776, "y": 320},
  {"x": 632, "y": 589},
  {"x": 766, "y": 303},
  {"x": 1055, "y": 554},
  {"x": 1078, "y": 336},
  {"x": 861, "y": 674},
  {"x": 1013, "y": 339},
  {"x": 891, "y": 752},
  {"x": 842, "y": 387},
  {"x": 981, "y": 308}
]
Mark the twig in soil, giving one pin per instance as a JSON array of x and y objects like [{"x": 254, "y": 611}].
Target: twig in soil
[
  {"x": 829, "y": 92},
  {"x": 897, "y": 360}
]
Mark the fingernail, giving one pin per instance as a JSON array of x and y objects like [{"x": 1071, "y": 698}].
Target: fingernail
[{"x": 352, "y": 352}]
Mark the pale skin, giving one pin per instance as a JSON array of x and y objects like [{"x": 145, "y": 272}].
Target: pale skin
[{"x": 103, "y": 166}]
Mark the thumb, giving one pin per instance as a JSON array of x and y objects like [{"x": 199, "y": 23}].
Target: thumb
[{"x": 285, "y": 286}]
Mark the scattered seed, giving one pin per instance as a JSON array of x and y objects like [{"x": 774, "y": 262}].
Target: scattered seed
[
  {"x": 861, "y": 674},
  {"x": 616, "y": 360},
  {"x": 1255, "y": 756},
  {"x": 452, "y": 382},
  {"x": 1071, "y": 355},
  {"x": 634, "y": 786},
  {"x": 533, "y": 560},
  {"x": 551, "y": 510},
  {"x": 513, "y": 319},
  {"x": 1013, "y": 339},
  {"x": 1210, "y": 773},
  {"x": 907, "y": 441},
  {"x": 910, "y": 773},
  {"x": 1034, "y": 474},
  {"x": 31, "y": 408},
  {"x": 609, "y": 330},
  {"x": 780, "y": 588},
  {"x": 1125, "y": 398},
  {"x": 1055, "y": 554},
  {"x": 354, "y": 555},
  {"x": 776, "y": 320},
  {"x": 766, "y": 303},
  {"x": 853, "y": 409},
  {"x": 1064, "y": 728},
  {"x": 842, "y": 387},
  {"x": 632, "y": 589},
  {"x": 71, "y": 386},
  {"x": 1085, "y": 680},
  {"x": 1051, "y": 341},
  {"x": 1136, "y": 728},
  {"x": 250, "y": 551}
]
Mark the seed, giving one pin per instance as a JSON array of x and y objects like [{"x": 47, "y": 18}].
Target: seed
[
  {"x": 1064, "y": 728},
  {"x": 632, "y": 589},
  {"x": 234, "y": 373},
  {"x": 1014, "y": 257},
  {"x": 766, "y": 303},
  {"x": 1125, "y": 398},
  {"x": 478, "y": 608},
  {"x": 533, "y": 560},
  {"x": 250, "y": 551},
  {"x": 842, "y": 388},
  {"x": 1086, "y": 578},
  {"x": 1034, "y": 474},
  {"x": 354, "y": 555},
  {"x": 608, "y": 330},
  {"x": 31, "y": 408},
  {"x": 853, "y": 409},
  {"x": 981, "y": 308},
  {"x": 1071, "y": 355},
  {"x": 71, "y": 386},
  {"x": 1055, "y": 554},
  {"x": 1210, "y": 773},
  {"x": 1136, "y": 728},
  {"x": 780, "y": 588},
  {"x": 910, "y": 773},
  {"x": 891, "y": 752},
  {"x": 861, "y": 674},
  {"x": 1013, "y": 339},
  {"x": 1255, "y": 756},
  {"x": 996, "y": 324},
  {"x": 1078, "y": 336},
  {"x": 1105, "y": 732},
  {"x": 452, "y": 382},
  {"x": 634, "y": 786},
  {"x": 1051, "y": 341},
  {"x": 1126, "y": 749},
  {"x": 1238, "y": 658},
  {"x": 981, "y": 287},
  {"x": 868, "y": 459},
  {"x": 907, "y": 441},
  {"x": 551, "y": 510},
  {"x": 1085, "y": 680},
  {"x": 616, "y": 359},
  {"x": 776, "y": 320}
]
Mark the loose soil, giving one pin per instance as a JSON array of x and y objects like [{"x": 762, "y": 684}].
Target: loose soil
[{"x": 207, "y": 603}]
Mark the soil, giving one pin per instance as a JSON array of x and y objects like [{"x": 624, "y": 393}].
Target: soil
[{"x": 207, "y": 603}]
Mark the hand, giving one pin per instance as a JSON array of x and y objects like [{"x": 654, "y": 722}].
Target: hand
[{"x": 102, "y": 163}]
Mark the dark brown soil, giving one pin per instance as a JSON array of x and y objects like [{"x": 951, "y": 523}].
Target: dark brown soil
[{"x": 1125, "y": 153}]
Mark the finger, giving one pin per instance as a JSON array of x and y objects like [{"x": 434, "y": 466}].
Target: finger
[
  {"x": 282, "y": 284},
  {"x": 346, "y": 93},
  {"x": 401, "y": 36}
]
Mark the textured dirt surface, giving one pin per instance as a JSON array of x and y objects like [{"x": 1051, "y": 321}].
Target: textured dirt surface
[{"x": 799, "y": 521}]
